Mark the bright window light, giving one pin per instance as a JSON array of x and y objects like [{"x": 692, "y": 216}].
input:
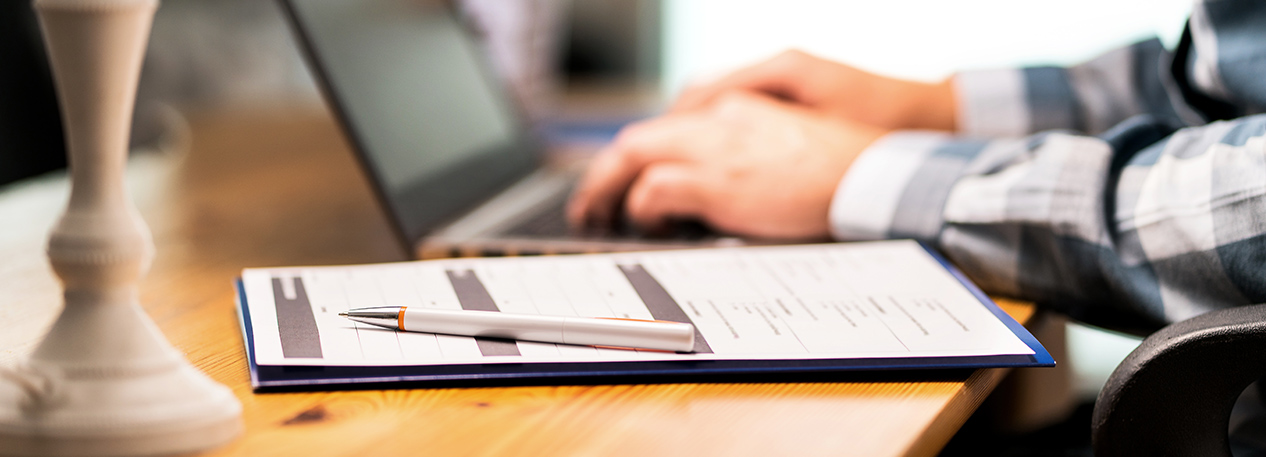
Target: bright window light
[{"x": 917, "y": 39}]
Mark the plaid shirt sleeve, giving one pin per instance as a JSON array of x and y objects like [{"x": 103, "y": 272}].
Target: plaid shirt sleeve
[
  {"x": 1075, "y": 223},
  {"x": 1120, "y": 218},
  {"x": 1088, "y": 98}
]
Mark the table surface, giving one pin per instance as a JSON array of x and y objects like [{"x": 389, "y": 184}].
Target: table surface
[{"x": 281, "y": 188}]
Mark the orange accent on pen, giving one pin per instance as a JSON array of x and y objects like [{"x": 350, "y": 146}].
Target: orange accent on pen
[{"x": 400, "y": 318}]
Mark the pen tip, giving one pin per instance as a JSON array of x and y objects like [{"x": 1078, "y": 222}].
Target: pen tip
[{"x": 343, "y": 314}]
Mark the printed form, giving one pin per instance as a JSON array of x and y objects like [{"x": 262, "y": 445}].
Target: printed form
[{"x": 832, "y": 301}]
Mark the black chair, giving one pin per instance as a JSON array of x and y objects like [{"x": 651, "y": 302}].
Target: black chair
[{"x": 1173, "y": 395}]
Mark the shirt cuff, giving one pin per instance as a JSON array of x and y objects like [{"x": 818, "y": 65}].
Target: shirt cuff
[
  {"x": 991, "y": 103},
  {"x": 1017, "y": 102},
  {"x": 898, "y": 186}
]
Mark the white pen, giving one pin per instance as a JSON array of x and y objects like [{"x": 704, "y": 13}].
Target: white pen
[{"x": 590, "y": 331}]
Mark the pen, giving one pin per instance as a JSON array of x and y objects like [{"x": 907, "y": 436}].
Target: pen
[{"x": 591, "y": 331}]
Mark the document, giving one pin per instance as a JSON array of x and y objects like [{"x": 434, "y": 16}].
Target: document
[{"x": 892, "y": 300}]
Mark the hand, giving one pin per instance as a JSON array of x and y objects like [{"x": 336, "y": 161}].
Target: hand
[
  {"x": 835, "y": 89},
  {"x": 747, "y": 165}
]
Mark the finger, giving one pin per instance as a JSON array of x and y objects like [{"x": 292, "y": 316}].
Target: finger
[
  {"x": 773, "y": 76},
  {"x": 668, "y": 191},
  {"x": 664, "y": 139},
  {"x": 584, "y": 211}
]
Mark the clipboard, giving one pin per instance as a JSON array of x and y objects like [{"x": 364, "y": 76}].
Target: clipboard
[{"x": 1015, "y": 346}]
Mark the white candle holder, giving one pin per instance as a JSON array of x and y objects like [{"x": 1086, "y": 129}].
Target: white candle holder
[{"x": 104, "y": 381}]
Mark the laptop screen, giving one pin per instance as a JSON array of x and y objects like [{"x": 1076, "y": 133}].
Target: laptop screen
[{"x": 433, "y": 128}]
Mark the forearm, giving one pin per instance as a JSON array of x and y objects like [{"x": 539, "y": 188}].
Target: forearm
[
  {"x": 928, "y": 106},
  {"x": 896, "y": 103}
]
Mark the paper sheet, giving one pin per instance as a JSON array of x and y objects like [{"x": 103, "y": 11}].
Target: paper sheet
[{"x": 836, "y": 301}]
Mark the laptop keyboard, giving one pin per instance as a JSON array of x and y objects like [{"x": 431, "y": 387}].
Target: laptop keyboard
[{"x": 548, "y": 222}]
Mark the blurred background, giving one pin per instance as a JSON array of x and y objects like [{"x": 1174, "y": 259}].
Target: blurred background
[
  {"x": 587, "y": 66},
  {"x": 239, "y": 53}
]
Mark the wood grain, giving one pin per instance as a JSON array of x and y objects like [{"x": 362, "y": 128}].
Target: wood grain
[{"x": 271, "y": 189}]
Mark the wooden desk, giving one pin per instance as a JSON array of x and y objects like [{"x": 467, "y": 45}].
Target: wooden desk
[{"x": 260, "y": 190}]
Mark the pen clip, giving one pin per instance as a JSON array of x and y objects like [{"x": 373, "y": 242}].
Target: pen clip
[{"x": 638, "y": 320}]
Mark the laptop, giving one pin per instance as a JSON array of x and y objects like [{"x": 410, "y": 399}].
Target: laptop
[{"x": 452, "y": 159}]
